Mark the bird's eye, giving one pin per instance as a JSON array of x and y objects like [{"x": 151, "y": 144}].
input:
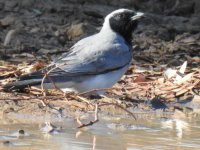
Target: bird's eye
[{"x": 120, "y": 16}]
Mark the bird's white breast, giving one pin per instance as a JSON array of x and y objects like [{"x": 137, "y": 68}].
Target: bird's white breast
[{"x": 106, "y": 80}]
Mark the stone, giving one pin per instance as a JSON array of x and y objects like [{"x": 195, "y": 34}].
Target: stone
[
  {"x": 8, "y": 20},
  {"x": 78, "y": 30},
  {"x": 75, "y": 31}
]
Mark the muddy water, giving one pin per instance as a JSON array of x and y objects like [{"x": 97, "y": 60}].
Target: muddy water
[{"x": 109, "y": 133}]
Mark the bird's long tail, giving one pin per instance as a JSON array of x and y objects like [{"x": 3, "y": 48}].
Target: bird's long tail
[{"x": 23, "y": 82}]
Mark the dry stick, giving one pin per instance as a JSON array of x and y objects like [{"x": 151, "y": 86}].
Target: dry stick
[
  {"x": 130, "y": 113},
  {"x": 91, "y": 122},
  {"x": 46, "y": 75},
  {"x": 42, "y": 83},
  {"x": 44, "y": 93}
]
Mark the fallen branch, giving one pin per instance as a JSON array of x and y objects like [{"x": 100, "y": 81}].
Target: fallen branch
[{"x": 91, "y": 122}]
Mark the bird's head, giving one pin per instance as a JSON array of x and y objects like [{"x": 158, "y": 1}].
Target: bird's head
[{"x": 122, "y": 21}]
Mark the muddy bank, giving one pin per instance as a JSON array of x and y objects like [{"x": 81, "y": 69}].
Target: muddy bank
[{"x": 53, "y": 108}]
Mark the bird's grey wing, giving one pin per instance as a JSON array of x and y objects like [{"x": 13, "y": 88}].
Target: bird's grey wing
[
  {"x": 95, "y": 58},
  {"x": 86, "y": 60}
]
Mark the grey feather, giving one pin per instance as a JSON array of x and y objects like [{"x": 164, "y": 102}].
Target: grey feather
[{"x": 96, "y": 57}]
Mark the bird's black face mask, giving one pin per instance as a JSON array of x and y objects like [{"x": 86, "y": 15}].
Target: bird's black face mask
[{"x": 123, "y": 24}]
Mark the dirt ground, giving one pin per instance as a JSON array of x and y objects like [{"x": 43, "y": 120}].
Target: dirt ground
[{"x": 34, "y": 32}]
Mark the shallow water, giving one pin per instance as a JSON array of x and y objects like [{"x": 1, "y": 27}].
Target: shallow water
[{"x": 108, "y": 134}]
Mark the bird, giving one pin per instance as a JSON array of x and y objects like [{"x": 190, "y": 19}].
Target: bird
[{"x": 95, "y": 62}]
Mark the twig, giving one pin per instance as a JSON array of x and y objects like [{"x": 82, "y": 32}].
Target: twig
[
  {"x": 85, "y": 100},
  {"x": 43, "y": 103},
  {"x": 46, "y": 76},
  {"x": 91, "y": 122},
  {"x": 42, "y": 85}
]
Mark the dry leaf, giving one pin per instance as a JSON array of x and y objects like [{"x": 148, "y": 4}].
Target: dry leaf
[
  {"x": 182, "y": 71},
  {"x": 169, "y": 73},
  {"x": 185, "y": 78}
]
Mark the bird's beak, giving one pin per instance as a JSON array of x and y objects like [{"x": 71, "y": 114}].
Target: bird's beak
[{"x": 137, "y": 16}]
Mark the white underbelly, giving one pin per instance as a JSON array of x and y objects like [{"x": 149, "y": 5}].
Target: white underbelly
[{"x": 106, "y": 80}]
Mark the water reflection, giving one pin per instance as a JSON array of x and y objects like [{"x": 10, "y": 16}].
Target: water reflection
[
  {"x": 179, "y": 126},
  {"x": 112, "y": 134}
]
